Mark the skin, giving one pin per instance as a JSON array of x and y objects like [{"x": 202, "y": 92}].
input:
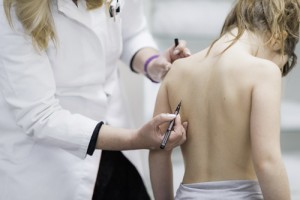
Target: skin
[
  {"x": 232, "y": 103},
  {"x": 150, "y": 135},
  {"x": 158, "y": 68}
]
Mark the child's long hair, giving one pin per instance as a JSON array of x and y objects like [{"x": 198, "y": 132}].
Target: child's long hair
[
  {"x": 278, "y": 20},
  {"x": 36, "y": 18}
]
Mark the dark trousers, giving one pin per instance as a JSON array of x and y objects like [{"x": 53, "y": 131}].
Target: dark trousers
[{"x": 118, "y": 179}]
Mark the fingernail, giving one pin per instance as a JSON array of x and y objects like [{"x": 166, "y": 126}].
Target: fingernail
[{"x": 170, "y": 115}]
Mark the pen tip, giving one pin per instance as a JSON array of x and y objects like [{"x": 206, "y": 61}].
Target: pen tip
[{"x": 176, "y": 41}]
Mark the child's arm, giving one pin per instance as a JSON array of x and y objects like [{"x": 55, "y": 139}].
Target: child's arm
[
  {"x": 265, "y": 134},
  {"x": 160, "y": 160}
]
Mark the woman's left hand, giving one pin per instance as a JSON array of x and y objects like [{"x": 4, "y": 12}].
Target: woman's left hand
[
  {"x": 159, "y": 67},
  {"x": 175, "y": 52}
]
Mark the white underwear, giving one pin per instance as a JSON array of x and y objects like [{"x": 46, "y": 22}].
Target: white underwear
[{"x": 220, "y": 190}]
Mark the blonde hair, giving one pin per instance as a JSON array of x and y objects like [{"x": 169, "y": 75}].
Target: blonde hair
[
  {"x": 278, "y": 20},
  {"x": 36, "y": 18}
]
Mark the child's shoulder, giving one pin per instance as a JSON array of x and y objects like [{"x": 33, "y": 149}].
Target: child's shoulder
[
  {"x": 260, "y": 71},
  {"x": 264, "y": 68}
]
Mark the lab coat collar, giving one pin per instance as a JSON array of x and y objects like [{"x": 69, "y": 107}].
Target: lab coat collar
[{"x": 68, "y": 8}]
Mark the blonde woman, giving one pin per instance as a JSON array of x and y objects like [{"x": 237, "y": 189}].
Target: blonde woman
[
  {"x": 59, "y": 86},
  {"x": 231, "y": 99}
]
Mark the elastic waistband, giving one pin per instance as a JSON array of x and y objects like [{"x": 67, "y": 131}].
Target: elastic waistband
[
  {"x": 222, "y": 185},
  {"x": 231, "y": 190}
]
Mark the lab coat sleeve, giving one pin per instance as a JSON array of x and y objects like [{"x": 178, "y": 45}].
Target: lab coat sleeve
[
  {"x": 134, "y": 30},
  {"x": 28, "y": 87}
]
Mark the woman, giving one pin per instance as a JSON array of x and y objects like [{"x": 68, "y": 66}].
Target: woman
[
  {"x": 59, "y": 84},
  {"x": 231, "y": 99}
]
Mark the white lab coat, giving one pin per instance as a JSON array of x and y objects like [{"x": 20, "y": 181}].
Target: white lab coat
[{"x": 51, "y": 101}]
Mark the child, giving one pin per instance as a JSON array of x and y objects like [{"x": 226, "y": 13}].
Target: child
[{"x": 230, "y": 95}]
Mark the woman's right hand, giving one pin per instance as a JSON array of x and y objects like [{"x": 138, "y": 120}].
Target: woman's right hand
[
  {"x": 148, "y": 136},
  {"x": 151, "y": 136}
]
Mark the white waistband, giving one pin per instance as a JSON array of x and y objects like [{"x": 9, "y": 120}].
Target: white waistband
[{"x": 231, "y": 190}]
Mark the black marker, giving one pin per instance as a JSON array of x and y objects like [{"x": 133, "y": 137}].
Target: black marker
[
  {"x": 176, "y": 41},
  {"x": 170, "y": 128}
]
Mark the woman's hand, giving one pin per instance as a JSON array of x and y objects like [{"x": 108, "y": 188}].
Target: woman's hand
[
  {"x": 151, "y": 136},
  {"x": 175, "y": 52},
  {"x": 159, "y": 67}
]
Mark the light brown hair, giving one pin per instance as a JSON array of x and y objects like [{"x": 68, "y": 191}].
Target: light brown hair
[
  {"x": 278, "y": 20},
  {"x": 36, "y": 18},
  {"x": 92, "y": 4}
]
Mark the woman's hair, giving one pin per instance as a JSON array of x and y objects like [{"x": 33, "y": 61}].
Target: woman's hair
[
  {"x": 278, "y": 20},
  {"x": 92, "y": 4},
  {"x": 36, "y": 18}
]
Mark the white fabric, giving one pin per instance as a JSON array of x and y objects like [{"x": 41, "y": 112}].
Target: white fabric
[
  {"x": 216, "y": 190},
  {"x": 51, "y": 101}
]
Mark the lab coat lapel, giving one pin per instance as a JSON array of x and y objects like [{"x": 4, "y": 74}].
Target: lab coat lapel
[{"x": 69, "y": 9}]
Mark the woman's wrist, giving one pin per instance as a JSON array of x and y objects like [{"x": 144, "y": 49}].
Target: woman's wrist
[
  {"x": 139, "y": 59},
  {"x": 135, "y": 140},
  {"x": 146, "y": 67},
  {"x": 111, "y": 138}
]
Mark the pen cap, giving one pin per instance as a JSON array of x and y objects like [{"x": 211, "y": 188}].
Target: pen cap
[{"x": 176, "y": 41}]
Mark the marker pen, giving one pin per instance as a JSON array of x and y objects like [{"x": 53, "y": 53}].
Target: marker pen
[{"x": 170, "y": 128}]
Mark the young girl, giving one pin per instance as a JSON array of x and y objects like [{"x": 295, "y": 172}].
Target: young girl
[{"x": 230, "y": 95}]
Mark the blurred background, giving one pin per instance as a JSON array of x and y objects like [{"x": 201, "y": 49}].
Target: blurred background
[{"x": 199, "y": 22}]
